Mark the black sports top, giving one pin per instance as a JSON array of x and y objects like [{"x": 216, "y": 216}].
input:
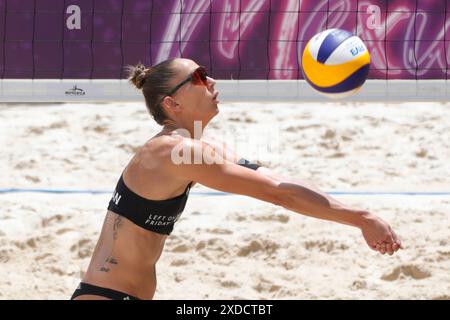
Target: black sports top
[{"x": 154, "y": 215}]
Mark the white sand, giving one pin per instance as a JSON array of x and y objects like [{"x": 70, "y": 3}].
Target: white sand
[{"x": 242, "y": 248}]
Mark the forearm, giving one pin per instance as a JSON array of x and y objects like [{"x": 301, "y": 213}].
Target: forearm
[
  {"x": 301, "y": 197},
  {"x": 305, "y": 198}
]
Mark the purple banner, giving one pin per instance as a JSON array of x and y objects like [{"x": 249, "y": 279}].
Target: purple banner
[{"x": 234, "y": 39}]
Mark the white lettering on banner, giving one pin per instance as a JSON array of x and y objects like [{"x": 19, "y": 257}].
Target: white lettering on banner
[
  {"x": 341, "y": 10},
  {"x": 228, "y": 25},
  {"x": 285, "y": 68},
  {"x": 374, "y": 20},
  {"x": 232, "y": 26},
  {"x": 411, "y": 48},
  {"x": 187, "y": 24},
  {"x": 425, "y": 59},
  {"x": 74, "y": 21},
  {"x": 293, "y": 28}
]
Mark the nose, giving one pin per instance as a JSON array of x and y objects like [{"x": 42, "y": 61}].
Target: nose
[{"x": 211, "y": 81}]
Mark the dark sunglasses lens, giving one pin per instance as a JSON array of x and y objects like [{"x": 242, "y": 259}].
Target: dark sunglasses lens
[{"x": 199, "y": 77}]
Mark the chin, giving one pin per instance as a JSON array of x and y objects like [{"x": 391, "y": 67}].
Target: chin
[
  {"x": 213, "y": 113},
  {"x": 213, "y": 109}
]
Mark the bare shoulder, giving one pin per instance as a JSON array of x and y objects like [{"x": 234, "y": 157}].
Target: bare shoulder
[
  {"x": 221, "y": 148},
  {"x": 164, "y": 147},
  {"x": 160, "y": 147}
]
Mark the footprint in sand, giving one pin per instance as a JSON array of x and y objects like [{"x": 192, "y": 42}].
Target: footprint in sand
[
  {"x": 32, "y": 243},
  {"x": 40, "y": 130},
  {"x": 412, "y": 271},
  {"x": 84, "y": 247},
  {"x": 266, "y": 286},
  {"x": 97, "y": 128},
  {"x": 181, "y": 248},
  {"x": 271, "y": 217},
  {"x": 422, "y": 153},
  {"x": 299, "y": 128},
  {"x": 65, "y": 230},
  {"x": 35, "y": 131},
  {"x": 58, "y": 125},
  {"x": 219, "y": 231},
  {"x": 266, "y": 246},
  {"x": 26, "y": 164},
  {"x": 441, "y": 297},
  {"x": 33, "y": 179},
  {"x": 229, "y": 284},
  {"x": 240, "y": 218},
  {"x": 58, "y": 218},
  {"x": 217, "y": 244},
  {"x": 42, "y": 256},
  {"x": 179, "y": 262},
  {"x": 5, "y": 255},
  {"x": 201, "y": 245},
  {"x": 359, "y": 285},
  {"x": 301, "y": 146},
  {"x": 329, "y": 134},
  {"x": 337, "y": 155},
  {"x": 325, "y": 246},
  {"x": 128, "y": 148},
  {"x": 57, "y": 271}
]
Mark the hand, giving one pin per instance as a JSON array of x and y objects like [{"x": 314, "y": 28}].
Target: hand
[{"x": 379, "y": 235}]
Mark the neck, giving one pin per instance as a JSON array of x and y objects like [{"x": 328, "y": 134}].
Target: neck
[{"x": 192, "y": 129}]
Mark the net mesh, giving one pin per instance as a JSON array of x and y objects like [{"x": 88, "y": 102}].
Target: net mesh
[{"x": 234, "y": 39}]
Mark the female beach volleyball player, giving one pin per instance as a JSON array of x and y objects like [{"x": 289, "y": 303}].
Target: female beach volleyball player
[{"x": 153, "y": 188}]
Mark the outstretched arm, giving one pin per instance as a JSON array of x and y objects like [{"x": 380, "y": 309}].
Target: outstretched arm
[
  {"x": 299, "y": 196},
  {"x": 307, "y": 199}
]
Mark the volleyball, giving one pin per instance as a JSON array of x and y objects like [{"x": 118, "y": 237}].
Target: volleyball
[{"x": 336, "y": 63}]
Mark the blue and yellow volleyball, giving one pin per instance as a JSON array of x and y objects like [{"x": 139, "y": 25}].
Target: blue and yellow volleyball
[{"x": 336, "y": 63}]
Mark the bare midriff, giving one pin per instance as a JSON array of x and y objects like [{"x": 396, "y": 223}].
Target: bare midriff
[{"x": 125, "y": 258}]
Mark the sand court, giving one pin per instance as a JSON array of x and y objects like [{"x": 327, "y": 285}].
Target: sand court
[{"x": 228, "y": 246}]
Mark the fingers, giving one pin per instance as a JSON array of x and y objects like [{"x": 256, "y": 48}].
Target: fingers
[
  {"x": 390, "y": 248},
  {"x": 380, "y": 247},
  {"x": 395, "y": 246},
  {"x": 390, "y": 243},
  {"x": 396, "y": 240},
  {"x": 376, "y": 247},
  {"x": 385, "y": 247}
]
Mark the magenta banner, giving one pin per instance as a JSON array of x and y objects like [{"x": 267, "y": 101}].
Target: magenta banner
[{"x": 234, "y": 39}]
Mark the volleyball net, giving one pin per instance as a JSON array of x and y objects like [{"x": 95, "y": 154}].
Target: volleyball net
[{"x": 77, "y": 50}]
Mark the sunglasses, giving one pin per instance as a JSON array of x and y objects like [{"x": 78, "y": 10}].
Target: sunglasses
[{"x": 198, "y": 77}]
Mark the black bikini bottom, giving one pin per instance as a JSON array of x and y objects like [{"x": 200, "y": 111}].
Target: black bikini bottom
[{"x": 86, "y": 288}]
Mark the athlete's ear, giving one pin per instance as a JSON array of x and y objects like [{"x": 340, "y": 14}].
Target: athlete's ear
[
  {"x": 170, "y": 106},
  {"x": 170, "y": 102}
]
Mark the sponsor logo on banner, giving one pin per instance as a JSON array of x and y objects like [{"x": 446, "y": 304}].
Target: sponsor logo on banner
[{"x": 75, "y": 91}]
